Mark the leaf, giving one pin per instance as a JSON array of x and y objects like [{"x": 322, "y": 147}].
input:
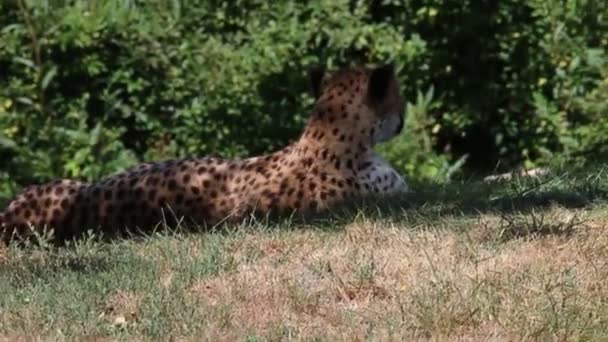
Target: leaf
[
  {"x": 27, "y": 62},
  {"x": 95, "y": 134},
  {"x": 595, "y": 57},
  {"x": 7, "y": 142},
  {"x": 10, "y": 27},
  {"x": 25, "y": 100},
  {"x": 48, "y": 77}
]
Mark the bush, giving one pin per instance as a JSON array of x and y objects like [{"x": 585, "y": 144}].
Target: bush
[
  {"x": 90, "y": 88},
  {"x": 511, "y": 76}
]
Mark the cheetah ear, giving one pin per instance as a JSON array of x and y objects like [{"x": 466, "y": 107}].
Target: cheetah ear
[
  {"x": 316, "y": 78},
  {"x": 379, "y": 81}
]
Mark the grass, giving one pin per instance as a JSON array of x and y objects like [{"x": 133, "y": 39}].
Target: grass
[{"x": 524, "y": 259}]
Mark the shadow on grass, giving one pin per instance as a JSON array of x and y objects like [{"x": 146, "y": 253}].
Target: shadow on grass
[
  {"x": 431, "y": 203},
  {"x": 22, "y": 271},
  {"x": 27, "y": 265},
  {"x": 428, "y": 203}
]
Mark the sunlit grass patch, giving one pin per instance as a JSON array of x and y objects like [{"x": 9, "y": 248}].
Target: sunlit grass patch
[{"x": 523, "y": 259}]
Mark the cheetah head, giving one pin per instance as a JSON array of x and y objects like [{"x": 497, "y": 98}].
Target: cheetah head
[{"x": 359, "y": 103}]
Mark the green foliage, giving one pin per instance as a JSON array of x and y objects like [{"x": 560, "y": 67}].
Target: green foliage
[
  {"x": 91, "y": 87},
  {"x": 413, "y": 151}
]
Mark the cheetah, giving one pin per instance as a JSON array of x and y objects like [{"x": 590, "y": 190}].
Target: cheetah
[{"x": 332, "y": 161}]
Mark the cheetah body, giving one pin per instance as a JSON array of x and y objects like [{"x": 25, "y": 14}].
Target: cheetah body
[{"x": 332, "y": 161}]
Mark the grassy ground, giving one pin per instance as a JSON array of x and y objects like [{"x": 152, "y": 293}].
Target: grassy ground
[{"x": 524, "y": 259}]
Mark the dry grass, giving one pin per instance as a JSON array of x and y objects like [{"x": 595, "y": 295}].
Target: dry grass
[
  {"x": 377, "y": 279},
  {"x": 535, "y": 274}
]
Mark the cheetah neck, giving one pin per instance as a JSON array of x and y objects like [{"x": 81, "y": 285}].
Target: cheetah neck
[{"x": 319, "y": 138}]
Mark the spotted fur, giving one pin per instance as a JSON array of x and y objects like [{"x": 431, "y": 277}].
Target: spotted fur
[{"x": 332, "y": 161}]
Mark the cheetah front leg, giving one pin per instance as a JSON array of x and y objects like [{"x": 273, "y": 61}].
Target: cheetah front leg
[{"x": 379, "y": 177}]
